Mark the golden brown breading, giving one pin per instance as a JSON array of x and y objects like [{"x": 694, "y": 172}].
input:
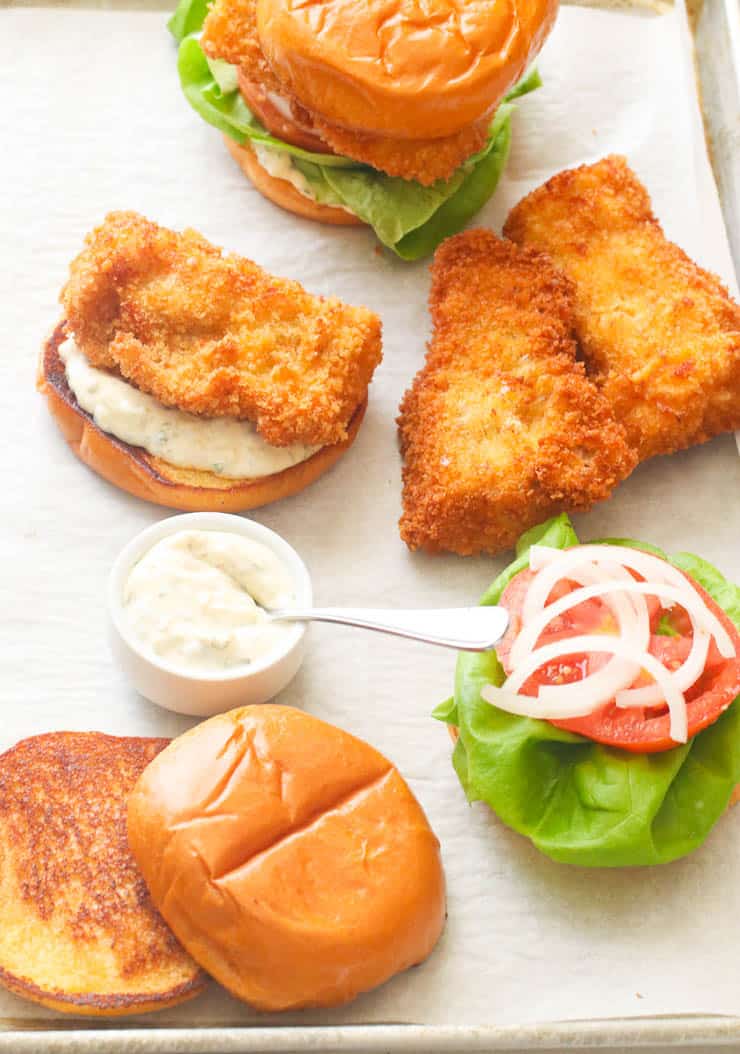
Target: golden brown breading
[
  {"x": 501, "y": 428},
  {"x": 216, "y": 335},
  {"x": 425, "y": 160},
  {"x": 230, "y": 33},
  {"x": 660, "y": 336}
]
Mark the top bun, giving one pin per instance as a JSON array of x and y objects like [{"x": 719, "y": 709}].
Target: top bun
[
  {"x": 290, "y": 858},
  {"x": 410, "y": 69}
]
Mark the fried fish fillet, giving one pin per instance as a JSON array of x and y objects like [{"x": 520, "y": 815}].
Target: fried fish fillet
[
  {"x": 660, "y": 335},
  {"x": 501, "y": 428},
  {"x": 78, "y": 930},
  {"x": 230, "y": 33},
  {"x": 214, "y": 334},
  {"x": 423, "y": 160}
]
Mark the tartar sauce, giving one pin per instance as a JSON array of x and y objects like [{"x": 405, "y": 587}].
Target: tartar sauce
[
  {"x": 279, "y": 164},
  {"x": 196, "y": 600},
  {"x": 221, "y": 445}
]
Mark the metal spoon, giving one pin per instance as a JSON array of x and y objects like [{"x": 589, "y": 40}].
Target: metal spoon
[{"x": 465, "y": 629}]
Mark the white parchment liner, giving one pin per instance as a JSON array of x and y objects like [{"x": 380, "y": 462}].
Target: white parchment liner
[{"x": 93, "y": 120}]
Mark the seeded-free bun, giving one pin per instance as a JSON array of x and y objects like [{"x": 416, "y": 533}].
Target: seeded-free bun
[
  {"x": 290, "y": 859},
  {"x": 403, "y": 69}
]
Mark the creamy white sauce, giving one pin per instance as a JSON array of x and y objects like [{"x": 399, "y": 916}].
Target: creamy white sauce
[
  {"x": 279, "y": 164},
  {"x": 221, "y": 445},
  {"x": 196, "y": 600},
  {"x": 281, "y": 105}
]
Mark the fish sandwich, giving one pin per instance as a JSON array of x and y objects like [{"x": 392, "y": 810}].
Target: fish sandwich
[{"x": 392, "y": 114}]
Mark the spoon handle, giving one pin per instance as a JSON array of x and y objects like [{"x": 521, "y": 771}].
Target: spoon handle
[{"x": 465, "y": 629}]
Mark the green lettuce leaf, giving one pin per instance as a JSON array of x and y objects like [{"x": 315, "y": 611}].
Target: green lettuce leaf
[
  {"x": 407, "y": 217},
  {"x": 202, "y": 81},
  {"x": 188, "y": 18},
  {"x": 481, "y": 179},
  {"x": 580, "y": 802}
]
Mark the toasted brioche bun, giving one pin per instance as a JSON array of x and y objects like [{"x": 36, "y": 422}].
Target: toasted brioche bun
[
  {"x": 388, "y": 67},
  {"x": 289, "y": 858},
  {"x": 78, "y": 930},
  {"x": 281, "y": 192},
  {"x": 148, "y": 477}
]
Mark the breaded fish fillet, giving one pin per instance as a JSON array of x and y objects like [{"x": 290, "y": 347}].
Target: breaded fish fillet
[
  {"x": 501, "y": 427},
  {"x": 230, "y": 33},
  {"x": 660, "y": 336},
  {"x": 423, "y": 160},
  {"x": 214, "y": 334}
]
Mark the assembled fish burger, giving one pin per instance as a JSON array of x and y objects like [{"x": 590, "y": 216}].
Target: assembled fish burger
[{"x": 394, "y": 113}]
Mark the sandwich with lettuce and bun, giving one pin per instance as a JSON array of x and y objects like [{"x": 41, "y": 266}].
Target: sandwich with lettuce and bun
[{"x": 392, "y": 113}]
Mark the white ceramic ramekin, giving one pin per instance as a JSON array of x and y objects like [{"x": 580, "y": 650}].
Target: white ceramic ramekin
[{"x": 196, "y": 694}]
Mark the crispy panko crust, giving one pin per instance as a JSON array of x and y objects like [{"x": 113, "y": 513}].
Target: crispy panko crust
[
  {"x": 501, "y": 427},
  {"x": 214, "y": 334},
  {"x": 424, "y": 160},
  {"x": 230, "y": 33},
  {"x": 659, "y": 335}
]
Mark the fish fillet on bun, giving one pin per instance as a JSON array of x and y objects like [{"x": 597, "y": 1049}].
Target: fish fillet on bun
[
  {"x": 394, "y": 113},
  {"x": 196, "y": 380}
]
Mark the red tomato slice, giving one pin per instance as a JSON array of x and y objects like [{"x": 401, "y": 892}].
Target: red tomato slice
[
  {"x": 637, "y": 729},
  {"x": 289, "y": 129}
]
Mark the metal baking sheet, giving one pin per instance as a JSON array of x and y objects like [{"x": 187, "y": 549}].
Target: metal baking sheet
[{"x": 718, "y": 60}]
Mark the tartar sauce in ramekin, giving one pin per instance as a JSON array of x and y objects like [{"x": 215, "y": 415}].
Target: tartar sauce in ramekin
[{"x": 196, "y": 600}]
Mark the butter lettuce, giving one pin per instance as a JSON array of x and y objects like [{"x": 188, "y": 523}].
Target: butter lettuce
[
  {"x": 408, "y": 218},
  {"x": 577, "y": 801}
]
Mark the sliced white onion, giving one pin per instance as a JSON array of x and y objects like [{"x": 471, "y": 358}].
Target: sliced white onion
[
  {"x": 527, "y": 705},
  {"x": 538, "y": 707},
  {"x": 554, "y": 564},
  {"x": 683, "y": 678},
  {"x": 576, "y": 699},
  {"x": 598, "y": 688},
  {"x": 613, "y": 592},
  {"x": 604, "y": 571},
  {"x": 704, "y": 623},
  {"x": 680, "y": 590},
  {"x": 634, "y": 624}
]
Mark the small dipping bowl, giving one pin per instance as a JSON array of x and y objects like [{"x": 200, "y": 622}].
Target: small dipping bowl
[{"x": 204, "y": 694}]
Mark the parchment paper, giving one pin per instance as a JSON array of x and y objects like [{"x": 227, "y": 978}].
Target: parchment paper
[{"x": 93, "y": 120}]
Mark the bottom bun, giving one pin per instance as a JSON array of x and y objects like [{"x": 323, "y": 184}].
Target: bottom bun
[
  {"x": 281, "y": 192},
  {"x": 78, "y": 931},
  {"x": 145, "y": 476}
]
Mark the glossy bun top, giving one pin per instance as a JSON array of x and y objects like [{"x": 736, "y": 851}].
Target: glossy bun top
[
  {"x": 408, "y": 69},
  {"x": 289, "y": 857}
]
